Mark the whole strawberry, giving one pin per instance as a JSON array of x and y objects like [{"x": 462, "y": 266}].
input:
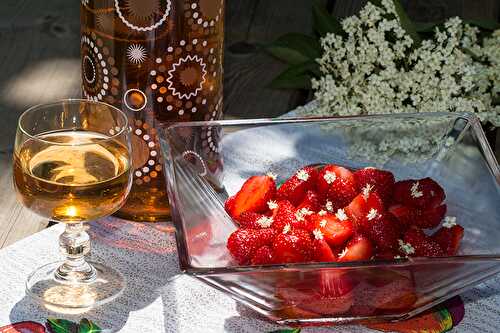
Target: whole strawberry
[
  {"x": 292, "y": 246},
  {"x": 263, "y": 256},
  {"x": 295, "y": 188},
  {"x": 383, "y": 230},
  {"x": 449, "y": 237},
  {"x": 421, "y": 193},
  {"x": 284, "y": 214},
  {"x": 243, "y": 243}
]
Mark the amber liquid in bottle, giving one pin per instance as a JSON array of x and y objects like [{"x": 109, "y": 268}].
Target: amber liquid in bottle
[
  {"x": 72, "y": 183},
  {"x": 160, "y": 61}
]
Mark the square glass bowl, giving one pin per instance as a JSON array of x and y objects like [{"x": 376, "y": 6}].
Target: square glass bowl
[{"x": 208, "y": 161}]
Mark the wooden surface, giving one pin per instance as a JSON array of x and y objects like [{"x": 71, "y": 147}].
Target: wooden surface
[{"x": 39, "y": 62}]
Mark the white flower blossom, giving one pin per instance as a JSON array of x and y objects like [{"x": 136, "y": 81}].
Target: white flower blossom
[
  {"x": 265, "y": 221},
  {"x": 272, "y": 204},
  {"x": 317, "y": 234},
  {"x": 406, "y": 247},
  {"x": 450, "y": 222},
  {"x": 341, "y": 215},
  {"x": 302, "y": 175}
]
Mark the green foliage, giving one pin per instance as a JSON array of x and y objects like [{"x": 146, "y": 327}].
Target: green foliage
[
  {"x": 295, "y": 48},
  {"x": 324, "y": 22}
]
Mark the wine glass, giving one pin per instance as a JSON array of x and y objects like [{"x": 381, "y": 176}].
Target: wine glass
[{"x": 72, "y": 164}]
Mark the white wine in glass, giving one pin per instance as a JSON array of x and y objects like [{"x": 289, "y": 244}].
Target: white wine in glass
[{"x": 72, "y": 165}]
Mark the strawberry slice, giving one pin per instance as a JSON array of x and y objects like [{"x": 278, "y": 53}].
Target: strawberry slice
[
  {"x": 423, "y": 245},
  {"x": 312, "y": 202},
  {"x": 359, "y": 248},
  {"x": 252, "y": 197},
  {"x": 254, "y": 220},
  {"x": 294, "y": 189},
  {"x": 263, "y": 256},
  {"x": 383, "y": 230},
  {"x": 243, "y": 242},
  {"x": 427, "y": 218},
  {"x": 421, "y": 193},
  {"x": 329, "y": 175},
  {"x": 336, "y": 293},
  {"x": 334, "y": 231},
  {"x": 23, "y": 327},
  {"x": 449, "y": 238},
  {"x": 229, "y": 205},
  {"x": 283, "y": 215},
  {"x": 382, "y": 181},
  {"x": 321, "y": 250},
  {"x": 292, "y": 246},
  {"x": 363, "y": 205}
]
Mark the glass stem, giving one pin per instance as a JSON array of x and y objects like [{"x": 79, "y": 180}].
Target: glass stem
[{"x": 74, "y": 244}]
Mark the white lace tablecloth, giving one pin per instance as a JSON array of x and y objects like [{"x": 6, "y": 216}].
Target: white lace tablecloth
[{"x": 158, "y": 298}]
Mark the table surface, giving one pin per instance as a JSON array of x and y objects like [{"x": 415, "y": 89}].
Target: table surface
[{"x": 39, "y": 62}]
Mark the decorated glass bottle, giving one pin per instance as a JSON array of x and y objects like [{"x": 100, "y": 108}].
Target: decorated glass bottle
[{"x": 161, "y": 62}]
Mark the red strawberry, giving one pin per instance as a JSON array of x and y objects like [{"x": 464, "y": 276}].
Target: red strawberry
[
  {"x": 229, "y": 205},
  {"x": 449, "y": 238},
  {"x": 381, "y": 180},
  {"x": 292, "y": 246},
  {"x": 336, "y": 293},
  {"x": 294, "y": 189},
  {"x": 283, "y": 215},
  {"x": 253, "y": 196},
  {"x": 334, "y": 231},
  {"x": 420, "y": 193},
  {"x": 311, "y": 202},
  {"x": 321, "y": 250},
  {"x": 357, "y": 249},
  {"x": 341, "y": 193},
  {"x": 330, "y": 174},
  {"x": 364, "y": 204},
  {"x": 243, "y": 242},
  {"x": 386, "y": 254},
  {"x": 250, "y": 220},
  {"x": 263, "y": 256},
  {"x": 426, "y": 218},
  {"x": 423, "y": 245},
  {"x": 383, "y": 230},
  {"x": 23, "y": 327}
]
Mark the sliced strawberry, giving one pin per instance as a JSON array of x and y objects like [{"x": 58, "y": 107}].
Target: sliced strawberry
[
  {"x": 321, "y": 250},
  {"x": 334, "y": 231},
  {"x": 431, "y": 217},
  {"x": 426, "y": 218},
  {"x": 292, "y": 246},
  {"x": 331, "y": 174},
  {"x": 253, "y": 196},
  {"x": 381, "y": 180},
  {"x": 420, "y": 193},
  {"x": 283, "y": 215},
  {"x": 449, "y": 239},
  {"x": 243, "y": 242},
  {"x": 294, "y": 189},
  {"x": 341, "y": 193},
  {"x": 229, "y": 205},
  {"x": 311, "y": 201},
  {"x": 423, "y": 245},
  {"x": 384, "y": 231},
  {"x": 263, "y": 256},
  {"x": 359, "y": 248},
  {"x": 363, "y": 205},
  {"x": 336, "y": 293}
]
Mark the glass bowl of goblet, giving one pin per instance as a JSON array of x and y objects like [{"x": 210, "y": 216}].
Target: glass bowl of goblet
[{"x": 72, "y": 165}]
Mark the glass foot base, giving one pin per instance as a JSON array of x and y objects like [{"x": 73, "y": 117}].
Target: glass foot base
[{"x": 70, "y": 297}]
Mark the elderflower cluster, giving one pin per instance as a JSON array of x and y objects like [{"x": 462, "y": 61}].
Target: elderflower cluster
[{"x": 376, "y": 68}]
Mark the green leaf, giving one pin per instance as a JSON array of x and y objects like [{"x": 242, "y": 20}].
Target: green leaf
[
  {"x": 294, "y": 330},
  {"x": 406, "y": 23},
  {"x": 61, "y": 326},
  {"x": 324, "y": 22},
  {"x": 297, "y": 76},
  {"x": 87, "y": 326},
  {"x": 295, "y": 48},
  {"x": 425, "y": 27}
]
